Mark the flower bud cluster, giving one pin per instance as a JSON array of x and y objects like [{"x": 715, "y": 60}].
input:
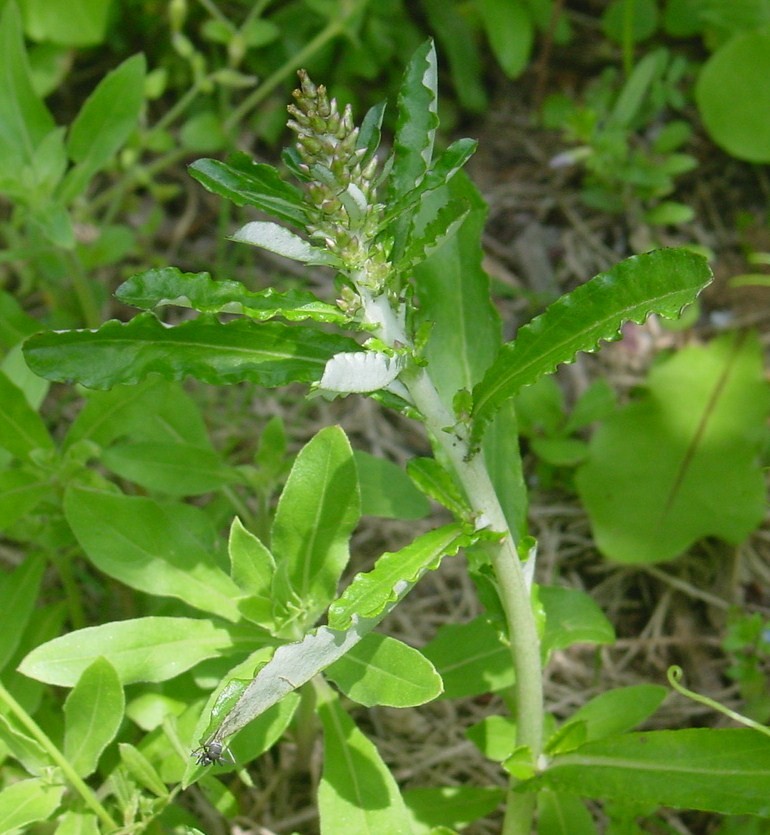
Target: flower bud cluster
[{"x": 340, "y": 188}]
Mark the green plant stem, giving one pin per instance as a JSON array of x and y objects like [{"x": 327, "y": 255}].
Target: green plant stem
[
  {"x": 89, "y": 798},
  {"x": 514, "y": 592}
]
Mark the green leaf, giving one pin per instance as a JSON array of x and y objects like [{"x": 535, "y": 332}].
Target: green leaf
[
  {"x": 104, "y": 123},
  {"x": 175, "y": 469},
  {"x": 24, "y": 119},
  {"x": 417, "y": 122},
  {"x": 357, "y": 792},
  {"x": 457, "y": 42},
  {"x": 142, "y": 770},
  {"x": 21, "y": 428},
  {"x": 20, "y": 493},
  {"x": 30, "y": 754},
  {"x": 153, "y": 410},
  {"x": 381, "y": 670},
  {"x": 618, "y": 711},
  {"x": 162, "y": 549},
  {"x": 271, "y": 354},
  {"x": 494, "y": 736},
  {"x": 318, "y": 511},
  {"x": 511, "y": 32},
  {"x": 143, "y": 649},
  {"x": 562, "y": 813},
  {"x": 450, "y": 806},
  {"x": 438, "y": 483},
  {"x": 659, "y": 282},
  {"x": 93, "y": 713},
  {"x": 365, "y": 602},
  {"x": 571, "y": 617},
  {"x": 78, "y": 23},
  {"x": 18, "y": 595},
  {"x": 252, "y": 567},
  {"x": 281, "y": 241},
  {"x": 470, "y": 658},
  {"x": 170, "y": 286},
  {"x": 248, "y": 183},
  {"x": 723, "y": 771},
  {"x": 681, "y": 462},
  {"x": 386, "y": 490},
  {"x": 28, "y": 801},
  {"x": 374, "y": 592}
]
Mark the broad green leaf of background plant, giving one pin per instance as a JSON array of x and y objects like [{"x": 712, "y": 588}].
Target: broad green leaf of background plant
[
  {"x": 18, "y": 592},
  {"x": 20, "y": 493},
  {"x": 269, "y": 354},
  {"x": 176, "y": 469},
  {"x": 318, "y": 511},
  {"x": 104, "y": 123},
  {"x": 381, "y": 670},
  {"x": 252, "y": 567},
  {"x": 143, "y": 649},
  {"x": 733, "y": 96},
  {"x": 713, "y": 770},
  {"x": 562, "y": 813},
  {"x": 21, "y": 428},
  {"x": 680, "y": 463},
  {"x": 141, "y": 770},
  {"x": 449, "y": 806},
  {"x": 93, "y": 713},
  {"x": 75, "y": 23},
  {"x": 28, "y": 801},
  {"x": 661, "y": 282},
  {"x": 357, "y": 792},
  {"x": 162, "y": 549},
  {"x": 24, "y": 119},
  {"x": 617, "y": 711},
  {"x": 152, "y": 410},
  {"x": 572, "y": 617},
  {"x": 386, "y": 490},
  {"x": 170, "y": 286},
  {"x": 511, "y": 33},
  {"x": 471, "y": 658}
]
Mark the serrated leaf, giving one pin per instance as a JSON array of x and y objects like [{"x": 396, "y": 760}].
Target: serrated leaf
[
  {"x": 248, "y": 183},
  {"x": 381, "y": 670},
  {"x": 444, "y": 224},
  {"x": 661, "y": 282},
  {"x": 357, "y": 792},
  {"x": 417, "y": 122},
  {"x": 370, "y": 593},
  {"x": 171, "y": 286},
  {"x": 270, "y": 354},
  {"x": 142, "y": 649},
  {"x": 278, "y": 239}
]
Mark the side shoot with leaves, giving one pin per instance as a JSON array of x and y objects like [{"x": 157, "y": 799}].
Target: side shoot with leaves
[{"x": 412, "y": 326}]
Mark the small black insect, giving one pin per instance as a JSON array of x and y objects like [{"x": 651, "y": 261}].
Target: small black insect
[{"x": 213, "y": 753}]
